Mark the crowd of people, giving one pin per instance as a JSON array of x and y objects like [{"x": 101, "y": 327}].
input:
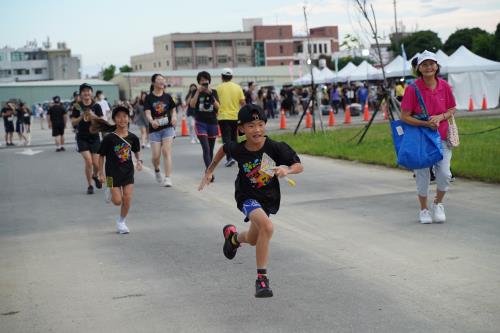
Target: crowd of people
[{"x": 106, "y": 145}]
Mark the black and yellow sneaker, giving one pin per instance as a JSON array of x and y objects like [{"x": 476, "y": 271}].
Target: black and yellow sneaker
[
  {"x": 229, "y": 247},
  {"x": 262, "y": 288}
]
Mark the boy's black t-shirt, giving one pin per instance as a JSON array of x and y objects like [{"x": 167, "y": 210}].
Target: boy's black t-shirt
[
  {"x": 7, "y": 118},
  {"x": 250, "y": 183},
  {"x": 205, "y": 110},
  {"x": 160, "y": 107},
  {"x": 20, "y": 114},
  {"x": 83, "y": 127},
  {"x": 56, "y": 113},
  {"x": 119, "y": 154}
]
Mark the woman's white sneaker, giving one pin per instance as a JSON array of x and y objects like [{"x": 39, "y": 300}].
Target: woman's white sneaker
[
  {"x": 425, "y": 216},
  {"x": 158, "y": 177},
  {"x": 121, "y": 227},
  {"x": 438, "y": 215},
  {"x": 167, "y": 182}
]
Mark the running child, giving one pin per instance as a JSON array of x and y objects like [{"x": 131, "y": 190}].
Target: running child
[
  {"x": 257, "y": 194},
  {"x": 116, "y": 148}
]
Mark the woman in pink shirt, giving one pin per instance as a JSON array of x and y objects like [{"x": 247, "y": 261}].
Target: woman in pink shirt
[{"x": 440, "y": 105}]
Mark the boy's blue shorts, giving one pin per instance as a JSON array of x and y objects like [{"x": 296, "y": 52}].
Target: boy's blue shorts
[{"x": 249, "y": 206}]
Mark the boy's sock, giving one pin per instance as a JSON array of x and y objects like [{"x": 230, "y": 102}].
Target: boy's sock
[
  {"x": 261, "y": 273},
  {"x": 234, "y": 240},
  {"x": 122, "y": 219}
]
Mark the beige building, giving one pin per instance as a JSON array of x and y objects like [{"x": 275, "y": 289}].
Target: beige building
[{"x": 178, "y": 51}]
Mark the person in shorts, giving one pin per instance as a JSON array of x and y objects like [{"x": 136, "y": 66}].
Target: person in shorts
[{"x": 57, "y": 119}]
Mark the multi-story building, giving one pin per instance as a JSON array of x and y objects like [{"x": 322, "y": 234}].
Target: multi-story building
[
  {"x": 32, "y": 63},
  {"x": 256, "y": 45}
]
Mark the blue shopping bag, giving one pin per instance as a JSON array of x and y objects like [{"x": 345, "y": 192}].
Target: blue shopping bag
[{"x": 416, "y": 147}]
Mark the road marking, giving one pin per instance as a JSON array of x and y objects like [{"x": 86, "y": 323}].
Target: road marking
[{"x": 29, "y": 152}]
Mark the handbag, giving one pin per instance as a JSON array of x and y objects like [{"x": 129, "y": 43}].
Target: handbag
[
  {"x": 452, "y": 138},
  {"x": 416, "y": 147}
]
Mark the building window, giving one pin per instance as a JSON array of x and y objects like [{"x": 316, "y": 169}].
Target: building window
[
  {"x": 166, "y": 47},
  {"x": 281, "y": 49},
  {"x": 282, "y": 63},
  {"x": 3, "y": 56},
  {"x": 260, "y": 59},
  {"x": 140, "y": 66},
  {"x": 315, "y": 48},
  {"x": 5, "y": 72},
  {"x": 168, "y": 63},
  {"x": 38, "y": 70},
  {"x": 242, "y": 58},
  {"x": 183, "y": 61},
  {"x": 325, "y": 48},
  {"x": 222, "y": 59},
  {"x": 224, "y": 43},
  {"x": 280, "y": 32},
  {"x": 21, "y": 71},
  {"x": 243, "y": 42},
  {"x": 202, "y": 60},
  {"x": 320, "y": 48},
  {"x": 309, "y": 48},
  {"x": 17, "y": 56},
  {"x": 202, "y": 43},
  {"x": 182, "y": 45}
]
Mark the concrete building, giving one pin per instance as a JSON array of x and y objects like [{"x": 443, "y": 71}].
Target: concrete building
[
  {"x": 43, "y": 91},
  {"x": 32, "y": 63},
  {"x": 256, "y": 45},
  {"x": 131, "y": 84}
]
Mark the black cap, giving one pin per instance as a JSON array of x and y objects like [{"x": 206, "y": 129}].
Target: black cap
[
  {"x": 249, "y": 113},
  {"x": 56, "y": 99},
  {"x": 85, "y": 86},
  {"x": 119, "y": 109}
]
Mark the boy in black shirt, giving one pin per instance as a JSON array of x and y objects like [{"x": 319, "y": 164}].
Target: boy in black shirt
[
  {"x": 257, "y": 193},
  {"x": 117, "y": 148},
  {"x": 57, "y": 121},
  {"x": 8, "y": 122}
]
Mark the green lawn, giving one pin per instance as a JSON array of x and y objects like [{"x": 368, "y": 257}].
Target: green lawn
[{"x": 478, "y": 156}]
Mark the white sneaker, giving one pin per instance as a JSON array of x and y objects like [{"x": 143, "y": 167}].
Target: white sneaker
[
  {"x": 121, "y": 227},
  {"x": 107, "y": 195},
  {"x": 158, "y": 177},
  {"x": 438, "y": 214},
  {"x": 425, "y": 216},
  {"x": 167, "y": 182},
  {"x": 148, "y": 145}
]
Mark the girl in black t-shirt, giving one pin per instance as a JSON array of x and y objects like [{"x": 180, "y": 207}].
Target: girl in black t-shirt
[
  {"x": 116, "y": 149},
  {"x": 160, "y": 110},
  {"x": 256, "y": 192},
  {"x": 206, "y": 104}
]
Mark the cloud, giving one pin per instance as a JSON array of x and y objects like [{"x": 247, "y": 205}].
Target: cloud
[{"x": 440, "y": 10}]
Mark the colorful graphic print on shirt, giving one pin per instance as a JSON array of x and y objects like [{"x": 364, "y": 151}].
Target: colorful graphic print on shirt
[
  {"x": 252, "y": 172},
  {"x": 122, "y": 151},
  {"x": 159, "y": 108}
]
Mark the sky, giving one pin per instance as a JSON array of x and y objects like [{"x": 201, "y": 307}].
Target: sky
[{"x": 105, "y": 32}]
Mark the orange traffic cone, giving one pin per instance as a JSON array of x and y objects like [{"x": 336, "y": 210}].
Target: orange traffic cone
[
  {"x": 283, "y": 120},
  {"x": 184, "y": 128},
  {"x": 308, "y": 119},
  {"x": 219, "y": 134},
  {"x": 471, "y": 104},
  {"x": 386, "y": 116},
  {"x": 347, "y": 115},
  {"x": 331, "y": 118},
  {"x": 366, "y": 113},
  {"x": 485, "y": 104}
]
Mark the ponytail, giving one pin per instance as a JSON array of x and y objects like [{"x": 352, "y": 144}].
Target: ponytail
[
  {"x": 101, "y": 125},
  {"x": 151, "y": 88}
]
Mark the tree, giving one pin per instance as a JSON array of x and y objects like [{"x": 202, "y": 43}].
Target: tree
[
  {"x": 461, "y": 37},
  {"x": 126, "y": 69},
  {"x": 108, "y": 73},
  {"x": 418, "y": 42},
  {"x": 496, "y": 43},
  {"x": 484, "y": 46}
]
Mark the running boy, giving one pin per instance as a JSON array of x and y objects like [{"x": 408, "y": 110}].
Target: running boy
[
  {"x": 257, "y": 194},
  {"x": 117, "y": 149}
]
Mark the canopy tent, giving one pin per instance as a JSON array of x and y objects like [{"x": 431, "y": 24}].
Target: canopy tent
[
  {"x": 473, "y": 76},
  {"x": 443, "y": 60},
  {"x": 364, "y": 71},
  {"x": 398, "y": 68},
  {"x": 345, "y": 71},
  {"x": 324, "y": 75}
]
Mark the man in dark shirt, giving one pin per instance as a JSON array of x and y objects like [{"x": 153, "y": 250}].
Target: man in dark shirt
[
  {"x": 57, "y": 121},
  {"x": 88, "y": 143},
  {"x": 8, "y": 122}
]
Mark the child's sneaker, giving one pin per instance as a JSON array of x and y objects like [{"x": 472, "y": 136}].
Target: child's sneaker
[
  {"x": 107, "y": 195},
  {"x": 229, "y": 248},
  {"x": 159, "y": 178},
  {"x": 121, "y": 227},
  {"x": 262, "y": 288}
]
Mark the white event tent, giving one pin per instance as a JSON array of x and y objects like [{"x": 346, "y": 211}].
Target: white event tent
[{"x": 324, "y": 75}]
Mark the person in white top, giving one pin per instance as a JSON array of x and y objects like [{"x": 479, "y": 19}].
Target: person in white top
[{"x": 106, "y": 110}]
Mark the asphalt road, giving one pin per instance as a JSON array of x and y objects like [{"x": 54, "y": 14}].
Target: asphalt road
[{"x": 348, "y": 254}]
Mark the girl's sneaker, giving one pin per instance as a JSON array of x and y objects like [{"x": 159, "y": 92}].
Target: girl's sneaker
[
  {"x": 121, "y": 227},
  {"x": 167, "y": 182},
  {"x": 229, "y": 249},
  {"x": 107, "y": 195},
  {"x": 262, "y": 288},
  {"x": 158, "y": 177}
]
